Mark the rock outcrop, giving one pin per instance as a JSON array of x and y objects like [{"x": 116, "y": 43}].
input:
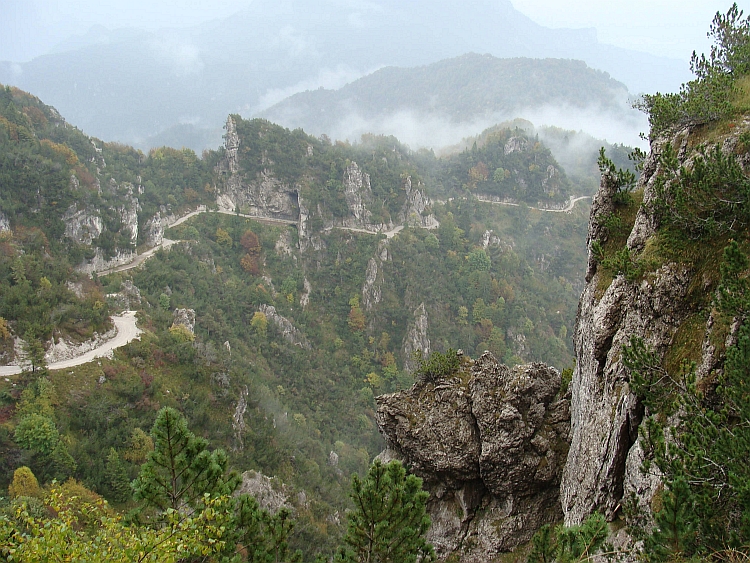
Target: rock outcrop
[
  {"x": 416, "y": 339},
  {"x": 262, "y": 195},
  {"x": 128, "y": 298},
  {"x": 100, "y": 264},
  {"x": 288, "y": 331},
  {"x": 129, "y": 214},
  {"x": 155, "y": 227},
  {"x": 490, "y": 443},
  {"x": 270, "y": 494},
  {"x": 372, "y": 288},
  {"x": 184, "y": 317},
  {"x": 82, "y": 226},
  {"x": 4, "y": 223},
  {"x": 415, "y": 209},
  {"x": 358, "y": 195}
]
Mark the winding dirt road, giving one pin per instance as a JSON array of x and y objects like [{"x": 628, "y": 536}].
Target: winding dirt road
[
  {"x": 567, "y": 209},
  {"x": 166, "y": 243},
  {"x": 127, "y": 331}
]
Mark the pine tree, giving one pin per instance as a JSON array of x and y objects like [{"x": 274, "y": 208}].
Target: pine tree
[
  {"x": 181, "y": 469},
  {"x": 570, "y": 544},
  {"x": 389, "y": 521},
  {"x": 117, "y": 478}
]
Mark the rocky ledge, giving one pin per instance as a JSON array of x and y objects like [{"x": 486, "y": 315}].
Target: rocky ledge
[{"x": 490, "y": 443}]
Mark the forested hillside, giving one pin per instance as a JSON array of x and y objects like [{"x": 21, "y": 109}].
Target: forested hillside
[{"x": 297, "y": 325}]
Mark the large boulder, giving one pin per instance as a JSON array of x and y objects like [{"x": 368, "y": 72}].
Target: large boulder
[{"x": 490, "y": 443}]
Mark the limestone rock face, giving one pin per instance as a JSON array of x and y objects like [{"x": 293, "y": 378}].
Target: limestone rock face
[
  {"x": 4, "y": 223},
  {"x": 515, "y": 144},
  {"x": 603, "y": 466},
  {"x": 262, "y": 195},
  {"x": 163, "y": 219},
  {"x": 358, "y": 194},
  {"x": 372, "y": 289},
  {"x": 413, "y": 212},
  {"x": 288, "y": 331},
  {"x": 129, "y": 296},
  {"x": 154, "y": 230},
  {"x": 129, "y": 215},
  {"x": 271, "y": 496},
  {"x": 490, "y": 444},
  {"x": 184, "y": 317},
  {"x": 100, "y": 264},
  {"x": 82, "y": 225},
  {"x": 416, "y": 338},
  {"x": 232, "y": 145}
]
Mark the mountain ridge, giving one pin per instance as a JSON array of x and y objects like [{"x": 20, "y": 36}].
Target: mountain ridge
[{"x": 131, "y": 91}]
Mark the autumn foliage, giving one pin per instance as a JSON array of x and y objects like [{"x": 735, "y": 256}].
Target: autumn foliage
[{"x": 250, "y": 262}]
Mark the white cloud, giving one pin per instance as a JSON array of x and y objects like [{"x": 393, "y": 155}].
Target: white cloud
[
  {"x": 435, "y": 131},
  {"x": 329, "y": 78},
  {"x": 182, "y": 56}
]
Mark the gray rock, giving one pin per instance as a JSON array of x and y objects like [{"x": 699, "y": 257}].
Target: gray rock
[
  {"x": 288, "y": 331},
  {"x": 372, "y": 288},
  {"x": 270, "y": 494},
  {"x": 128, "y": 211},
  {"x": 416, "y": 339},
  {"x": 4, "y": 223},
  {"x": 515, "y": 144},
  {"x": 82, "y": 225},
  {"x": 184, "y": 317},
  {"x": 490, "y": 444},
  {"x": 238, "y": 420},
  {"x": 603, "y": 466},
  {"x": 358, "y": 194},
  {"x": 100, "y": 264},
  {"x": 262, "y": 195},
  {"x": 128, "y": 298},
  {"x": 304, "y": 298},
  {"x": 415, "y": 206}
]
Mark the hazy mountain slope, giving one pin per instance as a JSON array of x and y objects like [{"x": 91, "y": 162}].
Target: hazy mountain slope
[
  {"x": 468, "y": 89},
  {"x": 129, "y": 88}
]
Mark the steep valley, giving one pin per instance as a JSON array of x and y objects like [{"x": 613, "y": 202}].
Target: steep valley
[
  {"x": 295, "y": 280},
  {"x": 564, "y": 375}
]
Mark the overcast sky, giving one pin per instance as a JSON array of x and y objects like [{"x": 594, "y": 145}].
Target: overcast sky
[{"x": 674, "y": 28}]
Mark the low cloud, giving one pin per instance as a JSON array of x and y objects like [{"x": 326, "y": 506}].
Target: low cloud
[
  {"x": 435, "y": 131},
  {"x": 622, "y": 128},
  {"x": 328, "y": 78},
  {"x": 182, "y": 56}
]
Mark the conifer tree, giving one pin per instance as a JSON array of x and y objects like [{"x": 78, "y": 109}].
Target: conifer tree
[
  {"x": 117, "y": 477},
  {"x": 571, "y": 544},
  {"x": 389, "y": 521},
  {"x": 181, "y": 469}
]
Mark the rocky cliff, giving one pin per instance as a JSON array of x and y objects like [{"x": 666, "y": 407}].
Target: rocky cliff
[
  {"x": 261, "y": 194},
  {"x": 250, "y": 179},
  {"x": 490, "y": 443},
  {"x": 668, "y": 306}
]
